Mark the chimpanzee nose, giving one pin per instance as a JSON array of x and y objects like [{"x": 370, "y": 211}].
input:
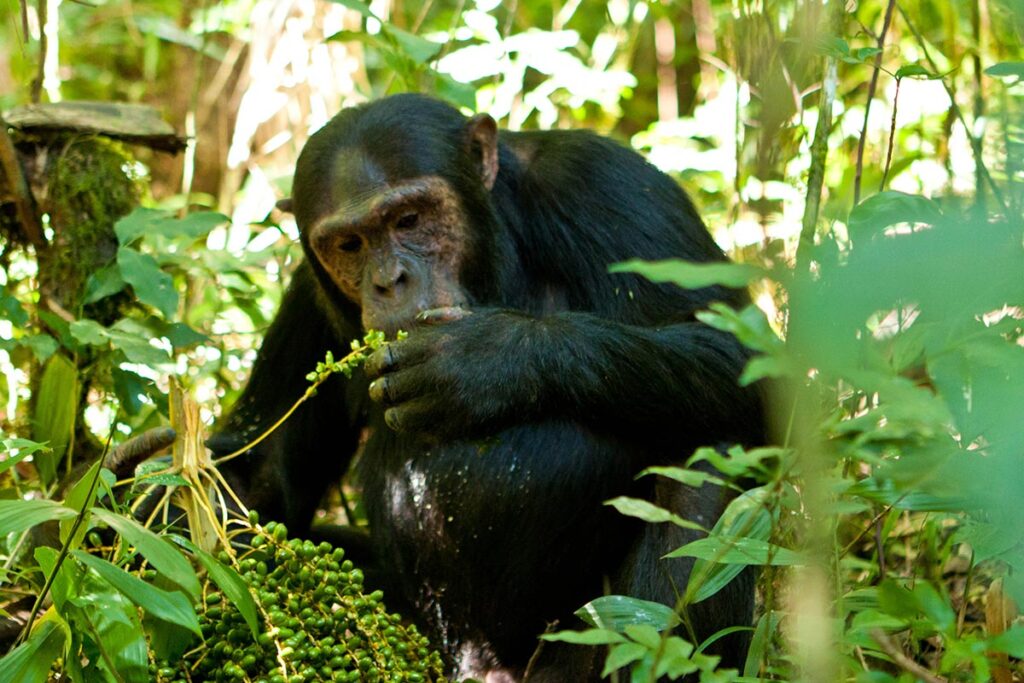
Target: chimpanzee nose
[{"x": 390, "y": 281}]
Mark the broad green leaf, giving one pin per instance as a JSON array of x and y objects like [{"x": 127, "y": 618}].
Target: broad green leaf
[
  {"x": 164, "y": 557},
  {"x": 228, "y": 580},
  {"x": 192, "y": 226},
  {"x": 18, "y": 515},
  {"x": 81, "y": 496},
  {"x": 739, "y": 550},
  {"x": 678, "y": 659},
  {"x": 151, "y": 285},
  {"x": 615, "y": 612},
  {"x": 641, "y": 509},
  {"x": 691, "y": 275},
  {"x": 123, "y": 336},
  {"x": 11, "y": 309},
  {"x": 89, "y": 332},
  {"x": 42, "y": 345},
  {"x": 418, "y": 49},
  {"x": 833, "y": 46},
  {"x": 30, "y": 662},
  {"x": 181, "y": 335},
  {"x": 118, "y": 646},
  {"x": 357, "y": 5},
  {"x": 16, "y": 450},
  {"x": 621, "y": 655},
  {"x": 592, "y": 636},
  {"x": 887, "y": 208},
  {"x": 1006, "y": 69},
  {"x": 54, "y": 417},
  {"x": 694, "y": 478},
  {"x": 915, "y": 71},
  {"x": 765, "y": 630},
  {"x": 136, "y": 224},
  {"x": 645, "y": 634},
  {"x": 1011, "y": 642},
  {"x": 103, "y": 283},
  {"x": 863, "y": 54},
  {"x": 170, "y": 606}
]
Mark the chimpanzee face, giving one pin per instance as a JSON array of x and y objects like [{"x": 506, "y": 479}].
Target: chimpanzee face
[
  {"x": 391, "y": 233},
  {"x": 393, "y": 248}
]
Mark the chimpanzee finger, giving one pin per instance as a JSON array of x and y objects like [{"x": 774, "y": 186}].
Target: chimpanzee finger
[
  {"x": 123, "y": 459},
  {"x": 389, "y": 357},
  {"x": 415, "y": 416},
  {"x": 397, "y": 387},
  {"x": 447, "y": 314}
]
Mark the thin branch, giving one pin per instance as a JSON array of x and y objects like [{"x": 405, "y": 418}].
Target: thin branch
[
  {"x": 892, "y": 138},
  {"x": 902, "y": 660},
  {"x": 819, "y": 148},
  {"x": 871, "y": 95},
  {"x": 955, "y": 108}
]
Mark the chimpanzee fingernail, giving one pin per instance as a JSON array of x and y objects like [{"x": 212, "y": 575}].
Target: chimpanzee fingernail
[{"x": 377, "y": 390}]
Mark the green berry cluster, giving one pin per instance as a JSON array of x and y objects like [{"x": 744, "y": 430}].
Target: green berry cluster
[{"x": 319, "y": 625}]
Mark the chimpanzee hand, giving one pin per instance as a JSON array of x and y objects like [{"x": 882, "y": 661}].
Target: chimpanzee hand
[{"x": 457, "y": 374}]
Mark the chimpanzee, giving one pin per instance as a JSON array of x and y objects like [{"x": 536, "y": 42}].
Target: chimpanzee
[{"x": 532, "y": 387}]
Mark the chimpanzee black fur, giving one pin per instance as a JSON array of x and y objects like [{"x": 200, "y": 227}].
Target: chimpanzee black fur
[{"x": 536, "y": 393}]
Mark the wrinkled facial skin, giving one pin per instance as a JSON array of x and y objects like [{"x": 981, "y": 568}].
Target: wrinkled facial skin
[{"x": 394, "y": 249}]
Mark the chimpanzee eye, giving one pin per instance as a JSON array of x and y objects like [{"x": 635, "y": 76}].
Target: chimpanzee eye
[
  {"x": 408, "y": 220},
  {"x": 351, "y": 245}
]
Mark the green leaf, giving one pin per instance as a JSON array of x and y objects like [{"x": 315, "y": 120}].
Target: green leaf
[
  {"x": 103, "y": 283},
  {"x": 164, "y": 557},
  {"x": 765, "y": 630},
  {"x": 641, "y": 509},
  {"x": 1006, "y": 69},
  {"x": 151, "y": 285},
  {"x": 134, "y": 344},
  {"x": 645, "y": 634},
  {"x": 82, "y": 495},
  {"x": 887, "y": 208},
  {"x": 592, "y": 636},
  {"x": 863, "y": 54},
  {"x": 192, "y": 226},
  {"x": 418, "y": 49},
  {"x": 677, "y": 660},
  {"x": 10, "y": 308},
  {"x": 89, "y": 332},
  {"x": 170, "y": 606},
  {"x": 739, "y": 550},
  {"x": 31, "y": 661},
  {"x": 181, "y": 335},
  {"x": 18, "y": 515},
  {"x": 621, "y": 655},
  {"x": 136, "y": 224},
  {"x": 54, "y": 415},
  {"x": 16, "y": 450},
  {"x": 228, "y": 580},
  {"x": 1011, "y": 642},
  {"x": 690, "y": 275},
  {"x": 118, "y": 641},
  {"x": 915, "y": 71},
  {"x": 694, "y": 478},
  {"x": 357, "y": 5},
  {"x": 42, "y": 345},
  {"x": 615, "y": 612},
  {"x": 833, "y": 46}
]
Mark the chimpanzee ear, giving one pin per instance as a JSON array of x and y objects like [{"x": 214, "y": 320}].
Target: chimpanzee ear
[{"x": 482, "y": 139}]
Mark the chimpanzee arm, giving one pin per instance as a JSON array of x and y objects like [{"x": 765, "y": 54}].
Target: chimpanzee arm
[
  {"x": 495, "y": 368},
  {"x": 285, "y": 476}
]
